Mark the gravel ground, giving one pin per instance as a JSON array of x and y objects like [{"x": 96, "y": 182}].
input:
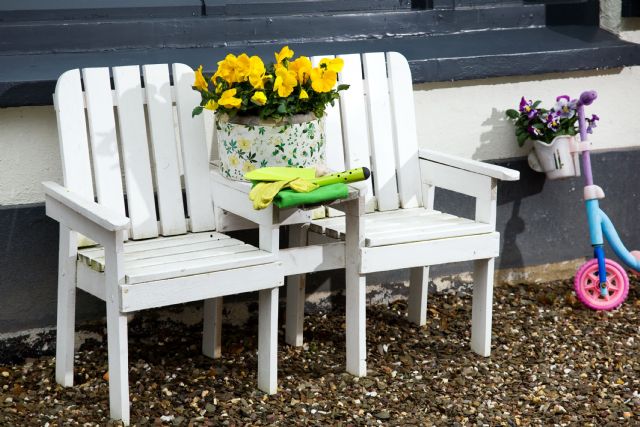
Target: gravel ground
[{"x": 553, "y": 363}]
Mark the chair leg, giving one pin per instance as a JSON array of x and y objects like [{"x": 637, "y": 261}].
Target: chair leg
[
  {"x": 482, "y": 306},
  {"x": 418, "y": 294},
  {"x": 356, "y": 290},
  {"x": 296, "y": 292},
  {"x": 65, "y": 332},
  {"x": 117, "y": 342},
  {"x": 118, "y": 363},
  {"x": 268, "y": 341},
  {"x": 212, "y": 328},
  {"x": 356, "y": 321}
]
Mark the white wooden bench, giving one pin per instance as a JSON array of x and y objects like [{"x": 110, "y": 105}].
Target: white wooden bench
[
  {"x": 393, "y": 226},
  {"x": 141, "y": 257}
]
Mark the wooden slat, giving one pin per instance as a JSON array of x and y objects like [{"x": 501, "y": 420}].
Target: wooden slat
[
  {"x": 135, "y": 152},
  {"x": 104, "y": 147},
  {"x": 198, "y": 266},
  {"x": 168, "y": 254},
  {"x": 72, "y": 134},
  {"x": 428, "y": 233},
  {"x": 198, "y": 287},
  {"x": 160, "y": 242},
  {"x": 354, "y": 120},
  {"x": 432, "y": 252},
  {"x": 458, "y": 180},
  {"x": 380, "y": 131},
  {"x": 194, "y": 151},
  {"x": 164, "y": 148},
  {"x": 404, "y": 130},
  {"x": 333, "y": 130}
]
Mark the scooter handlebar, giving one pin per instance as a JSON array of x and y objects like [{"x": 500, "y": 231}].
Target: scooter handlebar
[{"x": 586, "y": 98}]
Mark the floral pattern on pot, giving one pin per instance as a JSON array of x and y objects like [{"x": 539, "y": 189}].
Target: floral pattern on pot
[{"x": 243, "y": 147}]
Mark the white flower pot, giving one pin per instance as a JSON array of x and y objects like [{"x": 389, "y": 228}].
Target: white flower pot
[
  {"x": 557, "y": 159},
  {"x": 247, "y": 143}
]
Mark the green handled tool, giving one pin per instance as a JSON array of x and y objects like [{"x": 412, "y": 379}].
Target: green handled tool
[{"x": 352, "y": 175}]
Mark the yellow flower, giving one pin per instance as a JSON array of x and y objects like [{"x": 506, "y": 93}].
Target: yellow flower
[
  {"x": 227, "y": 69},
  {"x": 228, "y": 99},
  {"x": 244, "y": 144},
  {"x": 303, "y": 94},
  {"x": 243, "y": 67},
  {"x": 256, "y": 72},
  {"x": 323, "y": 80},
  {"x": 200, "y": 83},
  {"x": 233, "y": 160},
  {"x": 211, "y": 105},
  {"x": 285, "y": 53},
  {"x": 302, "y": 68},
  {"x": 285, "y": 81},
  {"x": 248, "y": 167},
  {"x": 335, "y": 64},
  {"x": 259, "y": 98}
]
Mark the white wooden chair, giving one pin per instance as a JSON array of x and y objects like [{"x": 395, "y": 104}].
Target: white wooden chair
[
  {"x": 395, "y": 226},
  {"x": 146, "y": 257}
]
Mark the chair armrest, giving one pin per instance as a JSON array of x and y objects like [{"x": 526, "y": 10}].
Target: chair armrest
[
  {"x": 474, "y": 166},
  {"x": 101, "y": 216}
]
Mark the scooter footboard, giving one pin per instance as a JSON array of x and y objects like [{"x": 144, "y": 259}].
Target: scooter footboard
[{"x": 611, "y": 235}]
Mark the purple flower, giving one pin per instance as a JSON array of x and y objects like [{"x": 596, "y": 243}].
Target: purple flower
[
  {"x": 534, "y": 131},
  {"x": 527, "y": 107},
  {"x": 591, "y": 123},
  {"x": 564, "y": 107},
  {"x": 553, "y": 120}
]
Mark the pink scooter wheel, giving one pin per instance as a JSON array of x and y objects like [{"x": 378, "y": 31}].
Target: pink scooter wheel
[{"x": 587, "y": 285}]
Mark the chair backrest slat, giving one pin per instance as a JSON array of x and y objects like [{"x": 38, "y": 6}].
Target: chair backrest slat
[
  {"x": 380, "y": 131},
  {"x": 164, "y": 149},
  {"x": 404, "y": 130},
  {"x": 195, "y": 158},
  {"x": 135, "y": 152},
  {"x": 72, "y": 134},
  {"x": 354, "y": 119},
  {"x": 333, "y": 130},
  {"x": 102, "y": 131}
]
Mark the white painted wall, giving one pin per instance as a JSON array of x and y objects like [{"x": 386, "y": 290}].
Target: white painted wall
[
  {"x": 467, "y": 118},
  {"x": 464, "y": 118}
]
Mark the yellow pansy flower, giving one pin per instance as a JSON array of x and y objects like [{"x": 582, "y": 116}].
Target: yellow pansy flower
[
  {"x": 200, "y": 82},
  {"x": 335, "y": 64},
  {"x": 248, "y": 167},
  {"x": 229, "y": 100},
  {"x": 244, "y": 144},
  {"x": 256, "y": 72},
  {"x": 285, "y": 81},
  {"x": 302, "y": 68},
  {"x": 233, "y": 160},
  {"x": 259, "y": 98},
  {"x": 227, "y": 69},
  {"x": 323, "y": 80},
  {"x": 285, "y": 53},
  {"x": 243, "y": 67},
  {"x": 211, "y": 105},
  {"x": 303, "y": 94}
]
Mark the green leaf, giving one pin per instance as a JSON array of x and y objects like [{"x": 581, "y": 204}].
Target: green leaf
[
  {"x": 342, "y": 87},
  {"x": 522, "y": 138},
  {"x": 196, "y": 111},
  {"x": 512, "y": 114},
  {"x": 535, "y": 104},
  {"x": 282, "y": 108}
]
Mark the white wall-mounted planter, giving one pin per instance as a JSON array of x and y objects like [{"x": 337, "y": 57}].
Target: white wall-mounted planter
[
  {"x": 247, "y": 143},
  {"x": 558, "y": 159}
]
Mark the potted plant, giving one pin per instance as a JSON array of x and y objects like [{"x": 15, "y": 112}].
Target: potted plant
[
  {"x": 553, "y": 134},
  {"x": 269, "y": 115}
]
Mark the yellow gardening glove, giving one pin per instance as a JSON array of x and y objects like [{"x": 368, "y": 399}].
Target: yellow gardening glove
[{"x": 262, "y": 193}]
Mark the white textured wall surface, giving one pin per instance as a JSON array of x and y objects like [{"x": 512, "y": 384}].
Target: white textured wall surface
[
  {"x": 467, "y": 118},
  {"x": 29, "y": 153},
  {"x": 464, "y": 118}
]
